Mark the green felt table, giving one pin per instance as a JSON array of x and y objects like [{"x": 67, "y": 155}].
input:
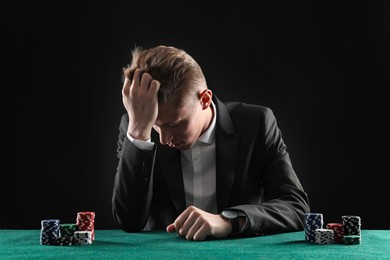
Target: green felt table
[{"x": 117, "y": 244}]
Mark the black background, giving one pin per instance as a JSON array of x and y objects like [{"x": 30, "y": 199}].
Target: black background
[{"x": 322, "y": 67}]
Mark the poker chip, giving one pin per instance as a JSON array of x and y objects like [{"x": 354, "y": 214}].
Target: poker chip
[
  {"x": 352, "y": 225},
  {"x": 324, "y": 236},
  {"x": 352, "y": 239},
  {"x": 313, "y": 221},
  {"x": 50, "y": 231},
  {"x": 64, "y": 241},
  {"x": 86, "y": 222},
  {"x": 338, "y": 231},
  {"x": 67, "y": 230},
  {"x": 83, "y": 237},
  {"x": 80, "y": 233}
]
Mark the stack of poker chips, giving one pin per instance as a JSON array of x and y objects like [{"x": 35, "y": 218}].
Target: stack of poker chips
[
  {"x": 50, "y": 231},
  {"x": 338, "y": 231},
  {"x": 352, "y": 229},
  {"x": 82, "y": 237},
  {"x": 348, "y": 232},
  {"x": 324, "y": 236},
  {"x": 64, "y": 241},
  {"x": 313, "y": 221},
  {"x": 67, "y": 234},
  {"x": 86, "y": 222},
  {"x": 67, "y": 230},
  {"x": 79, "y": 233}
]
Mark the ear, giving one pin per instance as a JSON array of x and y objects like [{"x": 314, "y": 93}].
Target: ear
[{"x": 205, "y": 98}]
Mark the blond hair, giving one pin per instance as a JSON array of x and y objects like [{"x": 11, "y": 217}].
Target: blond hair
[{"x": 180, "y": 75}]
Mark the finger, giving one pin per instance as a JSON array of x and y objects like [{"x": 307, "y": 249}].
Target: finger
[
  {"x": 188, "y": 223},
  {"x": 154, "y": 86},
  {"x": 181, "y": 218},
  {"x": 171, "y": 228},
  {"x": 194, "y": 229},
  {"x": 201, "y": 233},
  {"x": 126, "y": 87},
  {"x": 146, "y": 79},
  {"x": 137, "y": 78}
]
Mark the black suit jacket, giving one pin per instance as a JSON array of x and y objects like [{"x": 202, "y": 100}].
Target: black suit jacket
[{"x": 254, "y": 176}]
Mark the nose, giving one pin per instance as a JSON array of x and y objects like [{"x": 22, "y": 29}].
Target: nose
[{"x": 165, "y": 137}]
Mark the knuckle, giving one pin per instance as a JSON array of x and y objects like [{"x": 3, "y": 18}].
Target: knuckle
[
  {"x": 191, "y": 208},
  {"x": 138, "y": 74},
  {"x": 132, "y": 92},
  {"x": 138, "y": 70}
]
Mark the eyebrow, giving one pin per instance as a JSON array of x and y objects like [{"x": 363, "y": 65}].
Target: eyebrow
[{"x": 171, "y": 122}]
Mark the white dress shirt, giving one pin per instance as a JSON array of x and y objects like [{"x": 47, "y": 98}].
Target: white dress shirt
[{"x": 198, "y": 165}]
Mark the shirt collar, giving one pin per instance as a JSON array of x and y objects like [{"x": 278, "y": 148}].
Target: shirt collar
[{"x": 208, "y": 136}]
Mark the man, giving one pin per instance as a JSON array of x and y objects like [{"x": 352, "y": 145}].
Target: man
[{"x": 191, "y": 164}]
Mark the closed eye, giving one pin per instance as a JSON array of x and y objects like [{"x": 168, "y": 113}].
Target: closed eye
[{"x": 174, "y": 124}]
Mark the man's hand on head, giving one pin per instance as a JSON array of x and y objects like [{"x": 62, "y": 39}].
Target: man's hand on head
[{"x": 140, "y": 100}]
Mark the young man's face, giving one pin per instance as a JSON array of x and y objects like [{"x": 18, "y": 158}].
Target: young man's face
[{"x": 180, "y": 127}]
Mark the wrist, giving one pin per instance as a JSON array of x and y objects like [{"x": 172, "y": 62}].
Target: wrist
[
  {"x": 233, "y": 218},
  {"x": 139, "y": 135}
]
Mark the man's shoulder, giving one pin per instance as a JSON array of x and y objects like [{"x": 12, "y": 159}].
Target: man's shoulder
[
  {"x": 236, "y": 108},
  {"x": 247, "y": 117}
]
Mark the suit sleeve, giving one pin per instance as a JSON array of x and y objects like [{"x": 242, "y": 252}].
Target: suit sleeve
[
  {"x": 284, "y": 200},
  {"x": 132, "y": 192}
]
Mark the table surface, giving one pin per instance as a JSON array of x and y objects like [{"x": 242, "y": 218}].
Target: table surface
[{"x": 117, "y": 244}]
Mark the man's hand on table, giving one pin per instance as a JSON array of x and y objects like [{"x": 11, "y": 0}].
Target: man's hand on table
[{"x": 196, "y": 224}]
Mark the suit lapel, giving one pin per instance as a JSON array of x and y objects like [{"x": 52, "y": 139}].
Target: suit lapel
[{"x": 227, "y": 143}]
